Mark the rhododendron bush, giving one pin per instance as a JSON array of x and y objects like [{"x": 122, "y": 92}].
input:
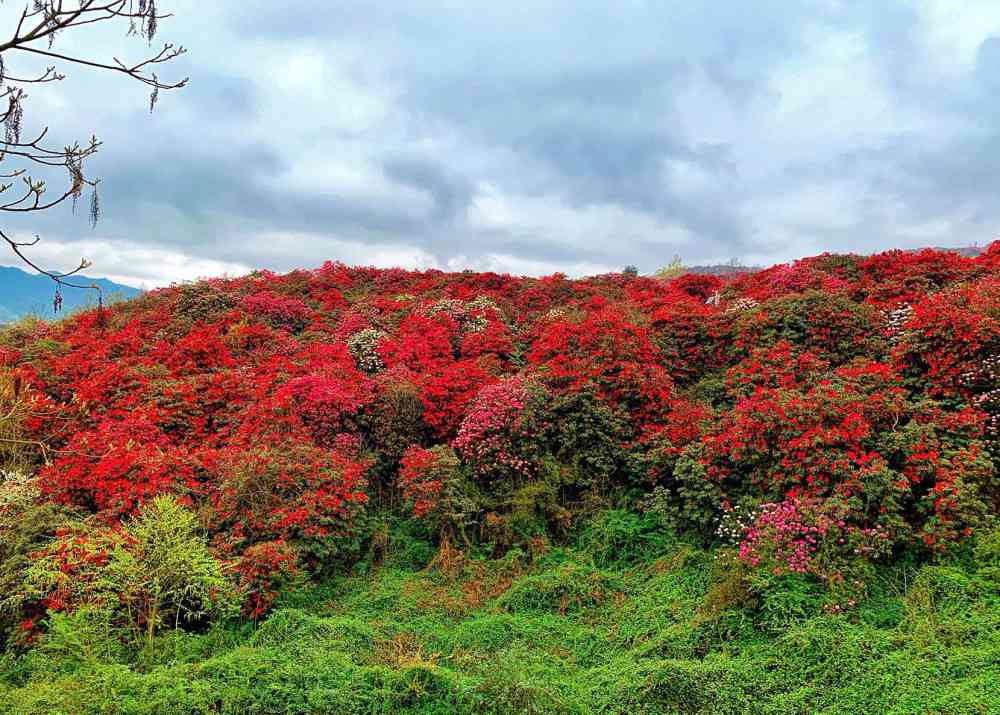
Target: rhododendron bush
[{"x": 850, "y": 403}]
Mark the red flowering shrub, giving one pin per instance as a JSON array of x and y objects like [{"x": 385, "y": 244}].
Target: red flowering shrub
[
  {"x": 421, "y": 344},
  {"x": 852, "y": 394},
  {"x": 279, "y": 310},
  {"x": 432, "y": 482},
  {"x": 262, "y": 570},
  {"x": 199, "y": 350},
  {"x": 608, "y": 353},
  {"x": 947, "y": 336},
  {"x": 920, "y": 472},
  {"x": 900, "y": 276},
  {"x": 698, "y": 285},
  {"x": 326, "y": 404},
  {"x": 781, "y": 365},
  {"x": 780, "y": 439},
  {"x": 687, "y": 333},
  {"x": 309, "y": 497},
  {"x": 447, "y": 393},
  {"x": 117, "y": 466},
  {"x": 786, "y": 279},
  {"x": 493, "y": 338},
  {"x": 496, "y": 439}
]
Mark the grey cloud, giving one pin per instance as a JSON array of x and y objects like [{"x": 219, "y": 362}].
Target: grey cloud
[
  {"x": 558, "y": 133},
  {"x": 452, "y": 191}
]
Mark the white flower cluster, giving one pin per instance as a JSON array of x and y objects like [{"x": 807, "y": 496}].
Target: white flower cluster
[
  {"x": 363, "y": 348},
  {"x": 988, "y": 376},
  {"x": 471, "y": 316},
  {"x": 477, "y": 310},
  {"x": 741, "y": 305},
  {"x": 896, "y": 319},
  {"x": 17, "y": 490},
  {"x": 735, "y": 522},
  {"x": 452, "y": 307},
  {"x": 559, "y": 313}
]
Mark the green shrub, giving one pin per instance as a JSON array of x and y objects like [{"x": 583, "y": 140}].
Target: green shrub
[
  {"x": 785, "y": 600},
  {"x": 619, "y": 537},
  {"x": 587, "y": 436},
  {"x": 26, "y": 526},
  {"x": 568, "y": 588},
  {"x": 686, "y": 500},
  {"x": 155, "y": 572}
]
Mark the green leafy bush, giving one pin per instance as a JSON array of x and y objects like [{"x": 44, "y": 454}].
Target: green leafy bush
[{"x": 155, "y": 572}]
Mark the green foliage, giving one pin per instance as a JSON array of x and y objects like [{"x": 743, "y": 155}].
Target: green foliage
[
  {"x": 164, "y": 571},
  {"x": 82, "y": 638},
  {"x": 439, "y": 491},
  {"x": 668, "y": 631},
  {"x": 563, "y": 589},
  {"x": 671, "y": 270},
  {"x": 685, "y": 500},
  {"x": 529, "y": 511},
  {"x": 201, "y": 302},
  {"x": 827, "y": 324},
  {"x": 619, "y": 537},
  {"x": 585, "y": 436},
  {"x": 156, "y": 572},
  {"x": 395, "y": 423},
  {"x": 26, "y": 525},
  {"x": 987, "y": 552}
]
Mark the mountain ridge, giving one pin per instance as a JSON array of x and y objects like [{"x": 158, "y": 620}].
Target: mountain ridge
[{"x": 23, "y": 293}]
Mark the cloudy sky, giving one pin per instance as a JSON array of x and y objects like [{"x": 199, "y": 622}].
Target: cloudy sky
[{"x": 532, "y": 137}]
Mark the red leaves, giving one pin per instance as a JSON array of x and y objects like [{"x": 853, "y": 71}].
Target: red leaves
[
  {"x": 268, "y": 397},
  {"x": 414, "y": 470},
  {"x": 281, "y": 311},
  {"x": 118, "y": 465},
  {"x": 609, "y": 352}
]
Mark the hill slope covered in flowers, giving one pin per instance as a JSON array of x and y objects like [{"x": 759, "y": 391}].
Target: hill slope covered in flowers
[{"x": 473, "y": 492}]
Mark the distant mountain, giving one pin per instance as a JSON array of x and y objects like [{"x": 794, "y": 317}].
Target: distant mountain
[
  {"x": 721, "y": 269},
  {"x": 967, "y": 251},
  {"x": 24, "y": 293}
]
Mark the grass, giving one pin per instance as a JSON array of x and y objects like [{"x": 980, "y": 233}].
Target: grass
[{"x": 593, "y": 627}]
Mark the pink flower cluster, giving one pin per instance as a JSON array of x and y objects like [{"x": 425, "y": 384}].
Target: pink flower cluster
[
  {"x": 787, "y": 533},
  {"x": 489, "y": 436}
]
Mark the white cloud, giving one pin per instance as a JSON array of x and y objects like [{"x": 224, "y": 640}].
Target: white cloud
[
  {"x": 130, "y": 263},
  {"x": 557, "y": 136},
  {"x": 551, "y": 220}
]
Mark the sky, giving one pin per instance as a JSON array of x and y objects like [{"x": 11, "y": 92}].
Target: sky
[{"x": 533, "y": 137}]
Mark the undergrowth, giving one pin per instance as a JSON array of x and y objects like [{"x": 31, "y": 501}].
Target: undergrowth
[{"x": 604, "y": 624}]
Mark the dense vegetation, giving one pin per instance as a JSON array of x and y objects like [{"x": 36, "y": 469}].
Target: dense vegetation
[{"x": 360, "y": 490}]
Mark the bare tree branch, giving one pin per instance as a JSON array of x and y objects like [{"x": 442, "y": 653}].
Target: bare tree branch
[{"x": 38, "y": 26}]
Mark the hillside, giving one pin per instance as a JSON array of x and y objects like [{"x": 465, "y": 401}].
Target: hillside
[
  {"x": 354, "y": 490},
  {"x": 24, "y": 293}
]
